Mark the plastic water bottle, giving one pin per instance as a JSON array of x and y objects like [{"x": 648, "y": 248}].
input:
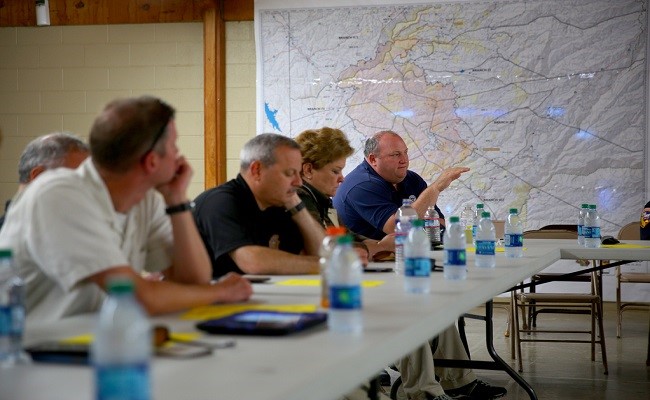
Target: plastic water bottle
[
  {"x": 405, "y": 215},
  {"x": 513, "y": 235},
  {"x": 344, "y": 276},
  {"x": 121, "y": 350},
  {"x": 325, "y": 253},
  {"x": 432, "y": 226},
  {"x": 417, "y": 264},
  {"x": 12, "y": 312},
  {"x": 581, "y": 223},
  {"x": 467, "y": 221},
  {"x": 591, "y": 229},
  {"x": 475, "y": 221},
  {"x": 486, "y": 240},
  {"x": 455, "y": 261}
]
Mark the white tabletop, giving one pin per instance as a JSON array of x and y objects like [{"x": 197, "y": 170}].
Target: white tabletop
[{"x": 313, "y": 365}]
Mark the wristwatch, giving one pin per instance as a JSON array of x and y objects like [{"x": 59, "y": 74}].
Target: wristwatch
[
  {"x": 296, "y": 209},
  {"x": 179, "y": 208}
]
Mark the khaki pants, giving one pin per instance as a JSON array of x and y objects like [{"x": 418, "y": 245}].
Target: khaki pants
[{"x": 418, "y": 372}]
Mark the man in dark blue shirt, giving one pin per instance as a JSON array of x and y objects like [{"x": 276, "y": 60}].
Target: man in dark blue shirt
[{"x": 370, "y": 195}]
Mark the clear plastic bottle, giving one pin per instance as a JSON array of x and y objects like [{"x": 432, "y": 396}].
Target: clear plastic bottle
[
  {"x": 344, "y": 277},
  {"x": 455, "y": 262},
  {"x": 581, "y": 223},
  {"x": 325, "y": 252},
  {"x": 513, "y": 235},
  {"x": 12, "y": 312},
  {"x": 477, "y": 218},
  {"x": 486, "y": 240},
  {"x": 591, "y": 229},
  {"x": 405, "y": 215},
  {"x": 417, "y": 263},
  {"x": 121, "y": 351},
  {"x": 467, "y": 221},
  {"x": 432, "y": 226}
]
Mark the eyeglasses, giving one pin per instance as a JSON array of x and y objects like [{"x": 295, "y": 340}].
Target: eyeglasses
[{"x": 156, "y": 138}]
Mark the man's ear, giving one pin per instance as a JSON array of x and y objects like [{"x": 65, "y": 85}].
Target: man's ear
[
  {"x": 149, "y": 162},
  {"x": 372, "y": 158},
  {"x": 256, "y": 169},
  {"x": 36, "y": 171}
]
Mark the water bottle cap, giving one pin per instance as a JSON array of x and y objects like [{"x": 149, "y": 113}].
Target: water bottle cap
[
  {"x": 513, "y": 211},
  {"x": 454, "y": 219},
  {"x": 120, "y": 285},
  {"x": 335, "y": 230},
  {"x": 485, "y": 214},
  {"x": 406, "y": 201},
  {"x": 417, "y": 223},
  {"x": 344, "y": 239},
  {"x": 592, "y": 206},
  {"x": 6, "y": 253},
  {"x": 479, "y": 205},
  {"x": 584, "y": 205}
]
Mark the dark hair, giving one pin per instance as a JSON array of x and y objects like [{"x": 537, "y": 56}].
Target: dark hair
[
  {"x": 262, "y": 148},
  {"x": 48, "y": 151},
  {"x": 127, "y": 130},
  {"x": 322, "y": 146}
]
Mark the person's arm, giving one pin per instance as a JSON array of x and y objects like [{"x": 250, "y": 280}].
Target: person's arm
[
  {"x": 312, "y": 232},
  {"x": 386, "y": 244},
  {"x": 161, "y": 297},
  {"x": 429, "y": 196},
  {"x": 190, "y": 262},
  {"x": 260, "y": 260}
]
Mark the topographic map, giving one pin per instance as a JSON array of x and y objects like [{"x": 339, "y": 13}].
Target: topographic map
[{"x": 545, "y": 101}]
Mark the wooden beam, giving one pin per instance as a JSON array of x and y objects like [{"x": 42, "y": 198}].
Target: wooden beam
[
  {"x": 97, "y": 12},
  {"x": 214, "y": 103},
  {"x": 238, "y": 10}
]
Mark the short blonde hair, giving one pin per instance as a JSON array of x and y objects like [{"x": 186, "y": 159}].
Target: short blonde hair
[{"x": 320, "y": 147}]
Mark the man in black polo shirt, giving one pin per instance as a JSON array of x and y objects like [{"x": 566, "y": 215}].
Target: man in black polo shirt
[{"x": 256, "y": 223}]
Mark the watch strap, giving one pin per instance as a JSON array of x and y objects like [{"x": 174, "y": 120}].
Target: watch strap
[
  {"x": 296, "y": 209},
  {"x": 187, "y": 206}
]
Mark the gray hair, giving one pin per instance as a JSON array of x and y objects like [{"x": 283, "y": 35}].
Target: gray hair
[
  {"x": 262, "y": 148},
  {"x": 48, "y": 151},
  {"x": 372, "y": 144}
]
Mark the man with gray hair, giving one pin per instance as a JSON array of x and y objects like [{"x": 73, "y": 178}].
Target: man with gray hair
[
  {"x": 256, "y": 223},
  {"x": 47, "y": 152}
]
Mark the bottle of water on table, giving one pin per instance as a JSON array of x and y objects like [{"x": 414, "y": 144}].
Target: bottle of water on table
[
  {"x": 477, "y": 218},
  {"x": 12, "y": 311},
  {"x": 325, "y": 253},
  {"x": 581, "y": 223},
  {"x": 432, "y": 226},
  {"x": 455, "y": 261},
  {"x": 121, "y": 351},
  {"x": 591, "y": 228},
  {"x": 513, "y": 235},
  {"x": 417, "y": 263},
  {"x": 486, "y": 240},
  {"x": 344, "y": 278},
  {"x": 405, "y": 215},
  {"x": 467, "y": 221}
]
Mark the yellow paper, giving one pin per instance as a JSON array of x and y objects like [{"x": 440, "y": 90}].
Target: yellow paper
[
  {"x": 316, "y": 282},
  {"x": 222, "y": 310},
  {"x": 85, "y": 338},
  {"x": 625, "y": 246}
]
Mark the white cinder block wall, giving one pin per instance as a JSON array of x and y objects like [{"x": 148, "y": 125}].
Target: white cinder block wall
[{"x": 58, "y": 78}]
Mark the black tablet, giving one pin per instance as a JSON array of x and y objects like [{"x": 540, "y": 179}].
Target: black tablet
[
  {"x": 264, "y": 323},
  {"x": 60, "y": 353}
]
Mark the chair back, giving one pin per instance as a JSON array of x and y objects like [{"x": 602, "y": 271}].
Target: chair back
[
  {"x": 550, "y": 234},
  {"x": 631, "y": 231}
]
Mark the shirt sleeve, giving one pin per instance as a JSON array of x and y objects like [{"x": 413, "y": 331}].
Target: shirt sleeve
[{"x": 70, "y": 238}]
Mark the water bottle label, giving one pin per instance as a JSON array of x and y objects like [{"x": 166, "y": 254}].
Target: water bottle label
[
  {"x": 594, "y": 232},
  {"x": 345, "y": 297},
  {"x": 580, "y": 230},
  {"x": 126, "y": 382},
  {"x": 474, "y": 227},
  {"x": 400, "y": 238},
  {"x": 417, "y": 267},
  {"x": 513, "y": 240},
  {"x": 17, "y": 320},
  {"x": 5, "y": 321},
  {"x": 485, "y": 247},
  {"x": 455, "y": 257},
  {"x": 586, "y": 231}
]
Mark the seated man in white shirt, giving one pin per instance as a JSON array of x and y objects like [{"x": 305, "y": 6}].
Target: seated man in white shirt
[{"x": 122, "y": 212}]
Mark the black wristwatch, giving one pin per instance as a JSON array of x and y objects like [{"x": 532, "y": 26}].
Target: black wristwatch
[
  {"x": 295, "y": 210},
  {"x": 187, "y": 206}
]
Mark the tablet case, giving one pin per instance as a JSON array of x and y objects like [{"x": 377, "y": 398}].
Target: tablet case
[{"x": 263, "y": 323}]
